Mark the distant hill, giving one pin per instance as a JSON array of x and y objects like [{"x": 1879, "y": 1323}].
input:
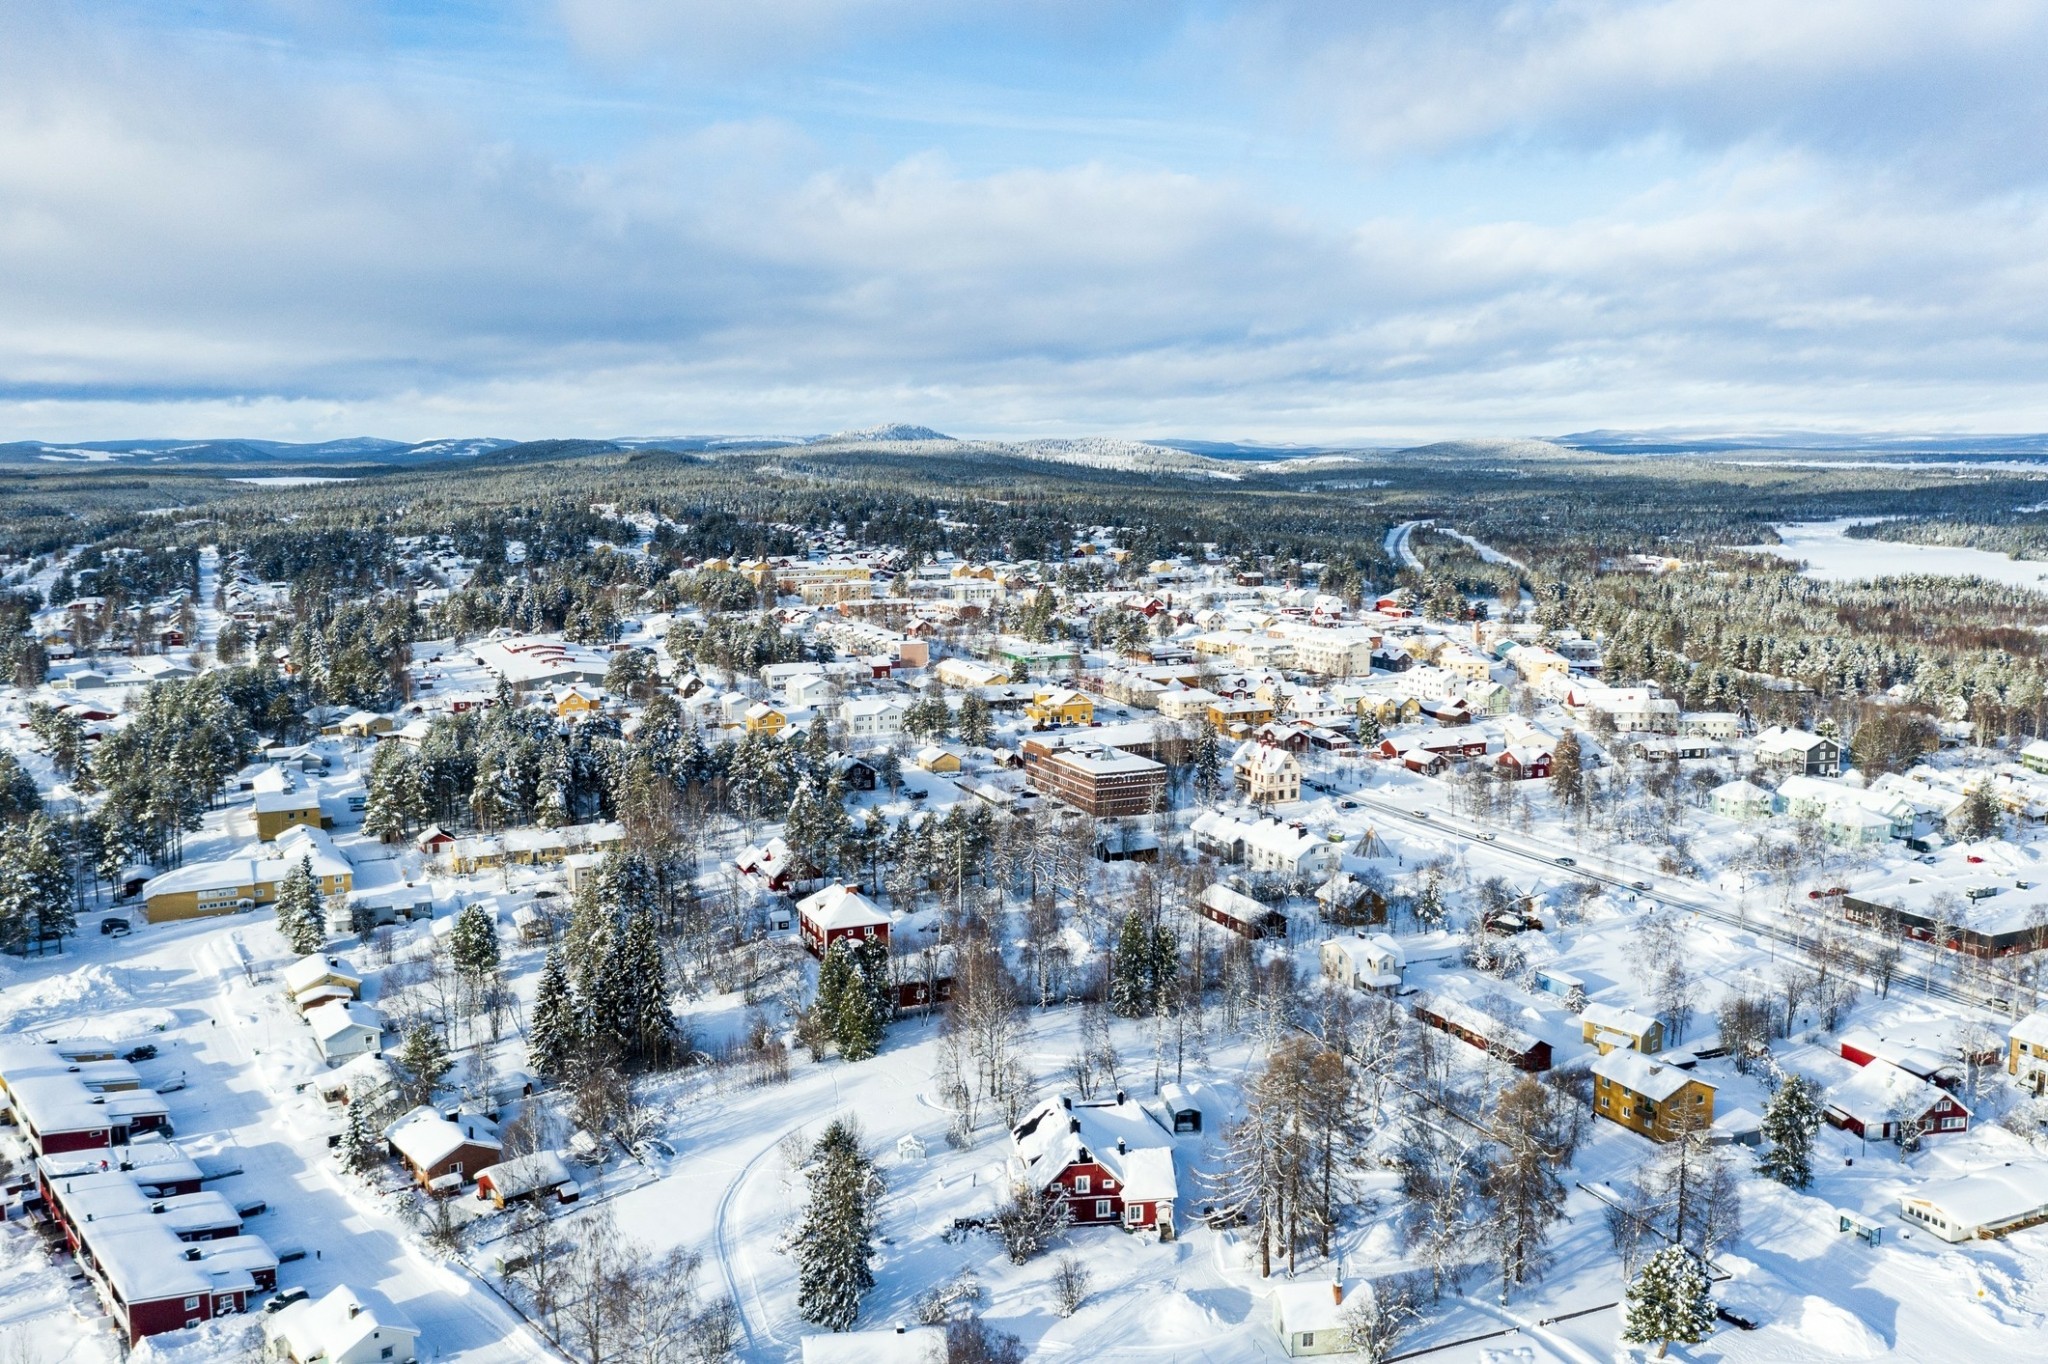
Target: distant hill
[{"x": 353, "y": 450}]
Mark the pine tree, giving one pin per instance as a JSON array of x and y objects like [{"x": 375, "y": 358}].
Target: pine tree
[
  {"x": 976, "y": 725},
  {"x": 863, "y": 1012},
  {"x": 834, "y": 1241},
  {"x": 1205, "y": 760},
  {"x": 1367, "y": 730},
  {"x": 653, "y": 1023},
  {"x": 1668, "y": 1302},
  {"x": 555, "y": 1037},
  {"x": 425, "y": 1062},
  {"x": 836, "y": 980},
  {"x": 1568, "y": 772},
  {"x": 1145, "y": 963},
  {"x": 359, "y": 1152},
  {"x": 298, "y": 909},
  {"x": 1790, "y": 1122},
  {"x": 473, "y": 943}
]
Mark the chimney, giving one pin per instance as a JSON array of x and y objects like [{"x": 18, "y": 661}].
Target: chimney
[
  {"x": 354, "y": 1308},
  {"x": 1066, "y": 1101},
  {"x": 1073, "y": 1124},
  {"x": 1337, "y": 1291},
  {"x": 1120, "y": 1147},
  {"x": 193, "y": 1253},
  {"x": 1119, "y": 1096}
]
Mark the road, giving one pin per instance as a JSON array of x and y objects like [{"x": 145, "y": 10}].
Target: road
[{"x": 1609, "y": 871}]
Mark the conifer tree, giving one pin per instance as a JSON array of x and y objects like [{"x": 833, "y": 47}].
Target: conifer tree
[
  {"x": 1669, "y": 1302},
  {"x": 298, "y": 909},
  {"x": 834, "y": 1240},
  {"x": 836, "y": 980},
  {"x": 555, "y": 1037},
  {"x": 473, "y": 943},
  {"x": 653, "y": 1022},
  {"x": 359, "y": 1151},
  {"x": 1790, "y": 1121},
  {"x": 1568, "y": 772},
  {"x": 425, "y": 1061}
]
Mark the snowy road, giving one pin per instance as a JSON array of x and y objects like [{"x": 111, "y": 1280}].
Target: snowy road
[
  {"x": 237, "y": 1068},
  {"x": 209, "y": 615},
  {"x": 1397, "y": 544}
]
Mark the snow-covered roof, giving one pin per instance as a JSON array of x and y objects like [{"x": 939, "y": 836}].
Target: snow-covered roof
[
  {"x": 1988, "y": 1197},
  {"x": 1880, "y": 1092},
  {"x": 1115, "y": 1135},
  {"x": 1616, "y": 1018},
  {"x": 1639, "y": 1074},
  {"x": 331, "y": 1326},
  {"x": 426, "y": 1138},
  {"x": 904, "y": 1345},
  {"x": 840, "y": 907},
  {"x": 526, "y": 1174},
  {"x": 1309, "y": 1306},
  {"x": 315, "y": 969},
  {"x": 330, "y": 1021},
  {"x": 2033, "y": 1029}
]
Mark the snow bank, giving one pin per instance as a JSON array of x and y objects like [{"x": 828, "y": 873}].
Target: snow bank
[
  {"x": 1833, "y": 1331},
  {"x": 1176, "y": 1316}
]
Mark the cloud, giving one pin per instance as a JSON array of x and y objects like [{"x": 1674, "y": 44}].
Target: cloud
[
  {"x": 1878, "y": 80},
  {"x": 196, "y": 244}
]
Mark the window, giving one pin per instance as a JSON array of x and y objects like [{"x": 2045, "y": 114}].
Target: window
[
  {"x": 191, "y": 1304},
  {"x": 454, "y": 1167},
  {"x": 1308, "y": 1337},
  {"x": 1102, "y": 1207},
  {"x": 1081, "y": 1184},
  {"x": 386, "y": 1353},
  {"x": 1951, "y": 1124},
  {"x": 1108, "y": 1185}
]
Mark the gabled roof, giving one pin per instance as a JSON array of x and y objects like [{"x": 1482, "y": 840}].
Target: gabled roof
[
  {"x": 1639, "y": 1074},
  {"x": 1054, "y": 1136},
  {"x": 840, "y": 907},
  {"x": 329, "y": 1327},
  {"x": 426, "y": 1138}
]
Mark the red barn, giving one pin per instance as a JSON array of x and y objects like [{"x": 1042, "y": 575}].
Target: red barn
[{"x": 1109, "y": 1163}]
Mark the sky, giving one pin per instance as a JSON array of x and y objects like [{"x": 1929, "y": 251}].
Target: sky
[{"x": 1316, "y": 221}]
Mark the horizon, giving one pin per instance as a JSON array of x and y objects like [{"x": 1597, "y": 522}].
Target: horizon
[{"x": 295, "y": 221}]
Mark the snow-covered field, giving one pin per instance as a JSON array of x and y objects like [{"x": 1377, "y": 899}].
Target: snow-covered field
[{"x": 1832, "y": 555}]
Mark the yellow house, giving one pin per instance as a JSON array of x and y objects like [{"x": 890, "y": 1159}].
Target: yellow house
[
  {"x": 277, "y": 811},
  {"x": 1224, "y": 715},
  {"x": 231, "y": 884},
  {"x": 1061, "y": 706},
  {"x": 1661, "y": 1102},
  {"x": 763, "y": 718},
  {"x": 1608, "y": 1026},
  {"x": 2027, "y": 1055},
  {"x": 932, "y": 758},
  {"x": 574, "y": 703}
]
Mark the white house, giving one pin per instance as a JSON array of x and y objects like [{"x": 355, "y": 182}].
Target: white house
[
  {"x": 1982, "y": 1203},
  {"x": 341, "y": 1328},
  {"x": 1374, "y": 963},
  {"x": 872, "y": 717},
  {"x": 1309, "y": 1316},
  {"x": 343, "y": 1030}
]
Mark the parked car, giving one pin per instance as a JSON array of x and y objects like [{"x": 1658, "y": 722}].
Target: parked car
[
  {"x": 285, "y": 1299},
  {"x": 115, "y": 926},
  {"x": 1347, "y": 804},
  {"x": 652, "y": 1151},
  {"x": 170, "y": 1084},
  {"x": 145, "y": 1052}
]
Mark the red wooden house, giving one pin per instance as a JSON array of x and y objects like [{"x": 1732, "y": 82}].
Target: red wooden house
[
  {"x": 839, "y": 913},
  {"x": 1523, "y": 763},
  {"x": 1109, "y": 1163},
  {"x": 1882, "y": 1102},
  {"x": 444, "y": 1153}
]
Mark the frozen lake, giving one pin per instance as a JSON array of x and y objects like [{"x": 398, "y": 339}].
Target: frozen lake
[{"x": 1830, "y": 554}]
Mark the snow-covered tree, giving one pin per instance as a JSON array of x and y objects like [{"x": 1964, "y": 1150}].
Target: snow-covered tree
[
  {"x": 298, "y": 909},
  {"x": 35, "y": 884},
  {"x": 556, "y": 1036},
  {"x": 835, "y": 1238},
  {"x": 473, "y": 943},
  {"x": 1791, "y": 1119},
  {"x": 359, "y": 1151},
  {"x": 1669, "y": 1301},
  {"x": 424, "y": 1062}
]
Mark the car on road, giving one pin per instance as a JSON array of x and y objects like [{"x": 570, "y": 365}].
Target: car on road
[
  {"x": 1639, "y": 885},
  {"x": 145, "y": 1052},
  {"x": 115, "y": 926},
  {"x": 1567, "y": 861},
  {"x": 1486, "y": 837},
  {"x": 1347, "y": 804},
  {"x": 1422, "y": 814}
]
